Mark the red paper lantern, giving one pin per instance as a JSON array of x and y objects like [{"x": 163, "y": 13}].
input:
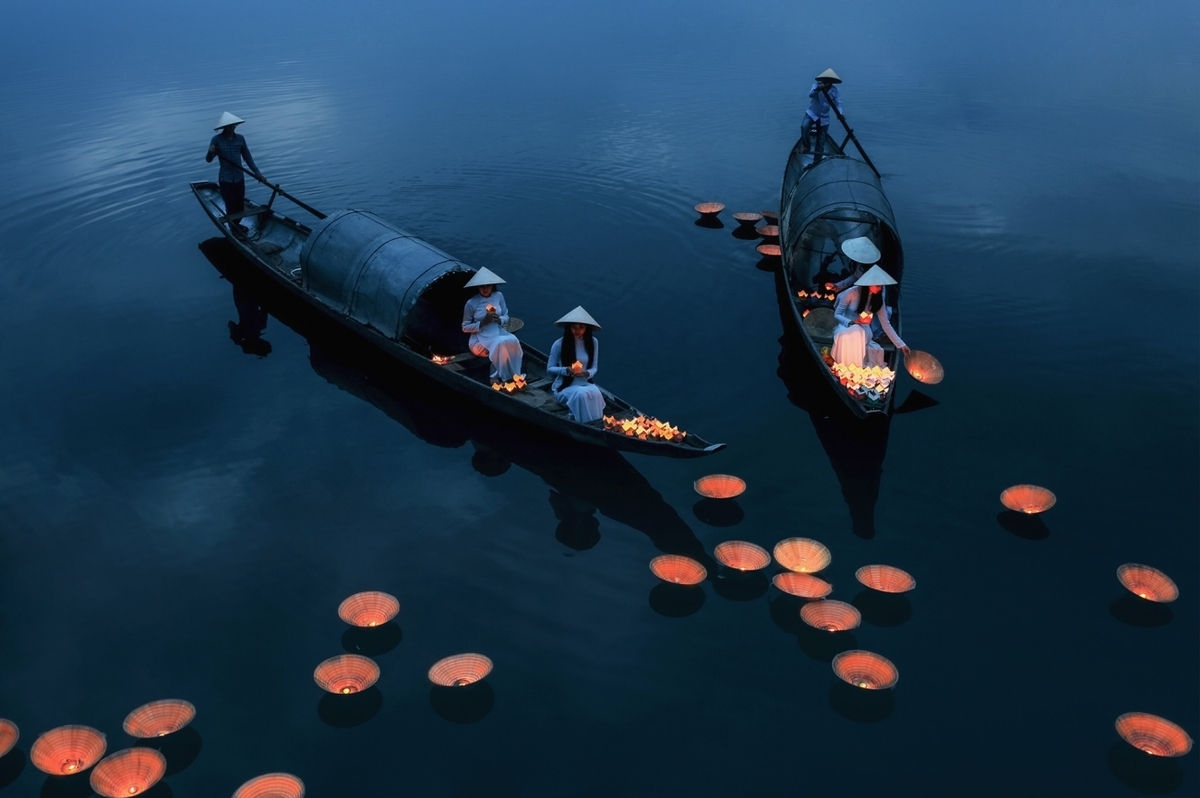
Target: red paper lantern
[
  {"x": 159, "y": 718},
  {"x": 720, "y": 486},
  {"x": 831, "y": 615},
  {"x": 1028, "y": 499},
  {"x": 803, "y": 555},
  {"x": 272, "y": 785},
  {"x": 369, "y": 608},
  {"x": 1147, "y": 582},
  {"x": 865, "y": 669},
  {"x": 346, "y": 674},
  {"x": 742, "y": 555},
  {"x": 460, "y": 670},
  {"x": 885, "y": 578},
  {"x": 9, "y": 734},
  {"x": 68, "y": 749},
  {"x": 128, "y": 772},
  {"x": 1155, "y": 735},
  {"x": 803, "y": 585},
  {"x": 678, "y": 570}
]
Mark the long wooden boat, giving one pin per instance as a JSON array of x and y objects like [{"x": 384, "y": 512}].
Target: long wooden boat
[
  {"x": 823, "y": 204},
  {"x": 404, "y": 297}
]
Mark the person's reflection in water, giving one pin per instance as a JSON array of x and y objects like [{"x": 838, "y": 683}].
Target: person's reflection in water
[
  {"x": 247, "y": 331},
  {"x": 578, "y": 527}
]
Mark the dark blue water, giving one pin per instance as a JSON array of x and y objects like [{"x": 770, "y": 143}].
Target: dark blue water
[{"x": 179, "y": 518}]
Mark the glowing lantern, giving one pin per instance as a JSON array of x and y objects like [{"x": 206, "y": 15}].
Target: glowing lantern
[
  {"x": 709, "y": 208},
  {"x": 804, "y": 586},
  {"x": 923, "y": 367},
  {"x": 460, "y": 670},
  {"x": 720, "y": 486},
  {"x": 128, "y": 772},
  {"x": 346, "y": 673},
  {"x": 67, "y": 749},
  {"x": 1028, "y": 499},
  {"x": 865, "y": 669},
  {"x": 802, "y": 555},
  {"x": 643, "y": 428},
  {"x": 9, "y": 734},
  {"x": 1155, "y": 735},
  {"x": 831, "y": 615},
  {"x": 742, "y": 555},
  {"x": 769, "y": 250},
  {"x": 442, "y": 360},
  {"x": 885, "y": 578},
  {"x": 272, "y": 785},
  {"x": 678, "y": 570},
  {"x": 159, "y": 718},
  {"x": 1147, "y": 582},
  {"x": 747, "y": 218},
  {"x": 369, "y": 608}
]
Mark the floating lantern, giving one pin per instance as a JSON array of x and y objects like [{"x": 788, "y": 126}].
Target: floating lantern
[
  {"x": 865, "y": 669},
  {"x": 923, "y": 367},
  {"x": 768, "y": 230},
  {"x": 802, "y": 555},
  {"x": 771, "y": 217},
  {"x": 720, "y": 486},
  {"x": 369, "y": 608},
  {"x": 885, "y": 578},
  {"x": 346, "y": 674},
  {"x": 678, "y": 570},
  {"x": 831, "y": 615},
  {"x": 804, "y": 586},
  {"x": 1152, "y": 734},
  {"x": 68, "y": 749},
  {"x": 272, "y": 785},
  {"x": 769, "y": 250},
  {"x": 1028, "y": 499},
  {"x": 159, "y": 718},
  {"x": 742, "y": 555},
  {"x": 9, "y": 734},
  {"x": 1147, "y": 582},
  {"x": 128, "y": 772},
  {"x": 747, "y": 218},
  {"x": 709, "y": 208},
  {"x": 460, "y": 670}
]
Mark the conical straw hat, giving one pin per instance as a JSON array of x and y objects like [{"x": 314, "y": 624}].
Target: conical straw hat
[
  {"x": 228, "y": 119},
  {"x": 484, "y": 276},
  {"x": 578, "y": 316},
  {"x": 861, "y": 250},
  {"x": 829, "y": 74},
  {"x": 875, "y": 276}
]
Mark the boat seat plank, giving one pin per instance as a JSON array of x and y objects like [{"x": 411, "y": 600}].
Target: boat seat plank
[{"x": 233, "y": 217}]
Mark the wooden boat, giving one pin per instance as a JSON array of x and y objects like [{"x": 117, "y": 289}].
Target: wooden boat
[
  {"x": 404, "y": 297},
  {"x": 822, "y": 205}
]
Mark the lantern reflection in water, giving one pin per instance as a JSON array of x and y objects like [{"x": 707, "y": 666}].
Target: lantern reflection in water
[
  {"x": 742, "y": 555},
  {"x": 159, "y": 718},
  {"x": 1147, "y": 582},
  {"x": 831, "y": 615},
  {"x": 802, "y": 555},
  {"x": 804, "y": 586},
  {"x": 460, "y": 670},
  {"x": 1028, "y": 499},
  {"x": 369, "y": 608},
  {"x": 346, "y": 674},
  {"x": 719, "y": 486},
  {"x": 1152, "y": 734},
  {"x": 9, "y": 734},
  {"x": 885, "y": 578},
  {"x": 68, "y": 749},
  {"x": 677, "y": 569},
  {"x": 865, "y": 669},
  {"x": 128, "y": 772},
  {"x": 272, "y": 785}
]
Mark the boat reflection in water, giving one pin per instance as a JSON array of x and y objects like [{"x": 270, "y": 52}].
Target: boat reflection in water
[{"x": 598, "y": 480}]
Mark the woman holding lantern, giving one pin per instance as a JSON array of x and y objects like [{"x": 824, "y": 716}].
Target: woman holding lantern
[
  {"x": 484, "y": 317},
  {"x": 862, "y": 315},
  {"x": 574, "y": 360}
]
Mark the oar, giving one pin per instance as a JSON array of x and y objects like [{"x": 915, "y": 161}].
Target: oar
[
  {"x": 849, "y": 131},
  {"x": 274, "y": 187}
]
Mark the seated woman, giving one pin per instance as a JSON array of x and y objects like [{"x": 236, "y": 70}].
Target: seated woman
[
  {"x": 861, "y": 253},
  {"x": 574, "y": 360},
  {"x": 862, "y": 316},
  {"x": 484, "y": 317}
]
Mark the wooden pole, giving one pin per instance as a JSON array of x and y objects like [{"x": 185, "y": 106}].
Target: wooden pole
[{"x": 849, "y": 131}]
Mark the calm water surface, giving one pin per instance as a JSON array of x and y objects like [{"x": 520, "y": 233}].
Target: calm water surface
[{"x": 179, "y": 518}]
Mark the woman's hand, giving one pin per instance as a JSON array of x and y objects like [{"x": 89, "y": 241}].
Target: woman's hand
[{"x": 905, "y": 349}]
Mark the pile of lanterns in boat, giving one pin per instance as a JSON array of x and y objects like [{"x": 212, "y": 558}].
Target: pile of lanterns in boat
[
  {"x": 517, "y": 383},
  {"x": 815, "y": 294},
  {"x": 870, "y": 382},
  {"x": 644, "y": 428}
]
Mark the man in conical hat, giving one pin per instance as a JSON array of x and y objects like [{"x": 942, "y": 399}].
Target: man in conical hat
[
  {"x": 485, "y": 316},
  {"x": 574, "y": 360},
  {"x": 862, "y": 314},
  {"x": 230, "y": 147},
  {"x": 821, "y": 96}
]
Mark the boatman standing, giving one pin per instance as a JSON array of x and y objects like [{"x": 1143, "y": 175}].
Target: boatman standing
[
  {"x": 230, "y": 147},
  {"x": 816, "y": 118}
]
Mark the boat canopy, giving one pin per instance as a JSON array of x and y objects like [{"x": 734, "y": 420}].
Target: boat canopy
[{"x": 374, "y": 272}]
